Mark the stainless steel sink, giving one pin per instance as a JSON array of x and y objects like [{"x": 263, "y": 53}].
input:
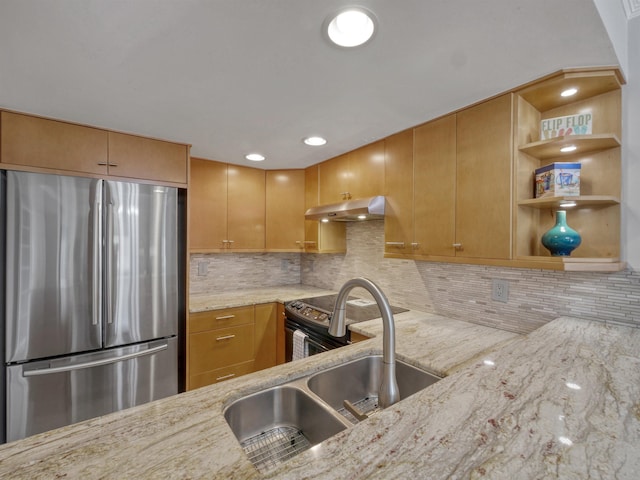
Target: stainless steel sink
[
  {"x": 358, "y": 382},
  {"x": 276, "y": 424}
]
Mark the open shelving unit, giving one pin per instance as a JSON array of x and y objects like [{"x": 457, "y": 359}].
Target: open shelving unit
[{"x": 596, "y": 214}]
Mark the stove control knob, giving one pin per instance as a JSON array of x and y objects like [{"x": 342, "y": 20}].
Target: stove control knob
[{"x": 323, "y": 317}]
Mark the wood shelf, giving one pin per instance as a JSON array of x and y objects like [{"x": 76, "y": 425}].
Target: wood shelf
[
  {"x": 543, "y": 95},
  {"x": 581, "y": 201},
  {"x": 547, "y": 149},
  {"x": 572, "y": 264}
]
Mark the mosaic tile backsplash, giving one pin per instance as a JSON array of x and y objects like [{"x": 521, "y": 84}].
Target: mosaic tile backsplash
[{"x": 454, "y": 290}]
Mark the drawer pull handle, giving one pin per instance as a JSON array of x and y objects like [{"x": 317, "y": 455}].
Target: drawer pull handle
[
  {"x": 457, "y": 245},
  {"x": 103, "y": 164},
  {"x": 224, "y": 377},
  {"x": 395, "y": 244},
  {"x": 225, "y": 337},
  {"x": 309, "y": 242},
  {"x": 225, "y": 317}
]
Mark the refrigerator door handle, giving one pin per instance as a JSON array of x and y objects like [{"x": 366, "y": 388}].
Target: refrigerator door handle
[
  {"x": 94, "y": 363},
  {"x": 109, "y": 261},
  {"x": 96, "y": 253}
]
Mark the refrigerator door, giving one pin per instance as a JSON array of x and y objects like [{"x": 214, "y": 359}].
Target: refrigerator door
[
  {"x": 141, "y": 262},
  {"x": 53, "y": 265},
  {"x": 50, "y": 394}
]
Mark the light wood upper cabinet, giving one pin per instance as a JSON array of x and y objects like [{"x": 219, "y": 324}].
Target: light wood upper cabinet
[
  {"x": 321, "y": 237},
  {"x": 367, "y": 170},
  {"x": 483, "y": 179},
  {"x": 285, "y": 197},
  {"x": 448, "y": 186},
  {"x": 227, "y": 207},
  {"x": 37, "y": 142},
  {"x": 435, "y": 187},
  {"x": 398, "y": 215},
  {"x": 139, "y": 157},
  {"x": 245, "y": 208},
  {"x": 207, "y": 205},
  {"x": 357, "y": 174}
]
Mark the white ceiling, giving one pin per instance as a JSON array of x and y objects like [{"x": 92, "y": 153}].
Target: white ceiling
[{"x": 236, "y": 76}]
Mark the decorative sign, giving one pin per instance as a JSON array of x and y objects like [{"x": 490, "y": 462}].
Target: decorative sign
[{"x": 570, "y": 125}]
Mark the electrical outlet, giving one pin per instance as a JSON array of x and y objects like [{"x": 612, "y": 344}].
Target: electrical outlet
[{"x": 500, "y": 290}]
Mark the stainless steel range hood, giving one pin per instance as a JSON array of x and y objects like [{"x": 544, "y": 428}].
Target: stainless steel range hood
[{"x": 371, "y": 208}]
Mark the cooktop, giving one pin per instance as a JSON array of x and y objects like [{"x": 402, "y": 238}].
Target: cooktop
[{"x": 358, "y": 309}]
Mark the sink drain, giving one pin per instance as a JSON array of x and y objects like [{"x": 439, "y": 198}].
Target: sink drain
[{"x": 269, "y": 449}]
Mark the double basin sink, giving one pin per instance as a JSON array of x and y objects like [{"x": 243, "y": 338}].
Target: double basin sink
[{"x": 276, "y": 424}]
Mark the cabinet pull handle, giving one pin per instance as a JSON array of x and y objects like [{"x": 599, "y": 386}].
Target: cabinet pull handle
[
  {"x": 225, "y": 337},
  {"x": 225, "y": 317},
  {"x": 224, "y": 377},
  {"x": 457, "y": 245},
  {"x": 415, "y": 245},
  {"x": 311, "y": 242},
  {"x": 103, "y": 164},
  {"x": 112, "y": 164},
  {"x": 395, "y": 244}
]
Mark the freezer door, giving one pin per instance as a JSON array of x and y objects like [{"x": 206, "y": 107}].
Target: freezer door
[
  {"x": 51, "y": 394},
  {"x": 141, "y": 262},
  {"x": 53, "y": 272}
]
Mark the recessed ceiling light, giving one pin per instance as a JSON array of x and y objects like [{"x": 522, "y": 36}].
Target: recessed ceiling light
[
  {"x": 568, "y": 92},
  {"x": 315, "y": 141},
  {"x": 350, "y": 27},
  {"x": 255, "y": 157},
  {"x": 568, "y": 148}
]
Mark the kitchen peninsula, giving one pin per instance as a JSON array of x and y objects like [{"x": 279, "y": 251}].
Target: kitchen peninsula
[{"x": 560, "y": 402}]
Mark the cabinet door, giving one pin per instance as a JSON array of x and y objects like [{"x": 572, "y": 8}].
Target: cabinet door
[
  {"x": 266, "y": 322},
  {"x": 398, "y": 214},
  {"x": 333, "y": 180},
  {"x": 38, "y": 142},
  {"x": 435, "y": 187},
  {"x": 484, "y": 171},
  {"x": 367, "y": 170},
  {"x": 321, "y": 237},
  {"x": 138, "y": 157},
  {"x": 207, "y": 205},
  {"x": 245, "y": 208},
  {"x": 285, "y": 197}
]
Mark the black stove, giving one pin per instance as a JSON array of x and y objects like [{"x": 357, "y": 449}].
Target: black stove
[
  {"x": 312, "y": 317},
  {"x": 316, "y": 311}
]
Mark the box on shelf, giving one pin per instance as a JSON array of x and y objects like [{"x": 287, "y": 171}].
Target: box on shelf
[
  {"x": 558, "y": 179},
  {"x": 580, "y": 124}
]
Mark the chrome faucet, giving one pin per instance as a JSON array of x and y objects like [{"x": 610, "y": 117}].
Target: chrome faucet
[{"x": 388, "y": 393}]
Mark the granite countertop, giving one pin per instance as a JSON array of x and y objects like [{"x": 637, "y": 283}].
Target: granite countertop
[
  {"x": 238, "y": 298},
  {"x": 561, "y": 402}
]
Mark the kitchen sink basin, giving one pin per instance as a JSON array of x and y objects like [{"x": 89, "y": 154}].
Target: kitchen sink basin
[
  {"x": 276, "y": 424},
  {"x": 358, "y": 382}
]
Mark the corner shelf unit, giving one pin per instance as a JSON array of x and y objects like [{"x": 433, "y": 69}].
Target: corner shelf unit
[{"x": 596, "y": 215}]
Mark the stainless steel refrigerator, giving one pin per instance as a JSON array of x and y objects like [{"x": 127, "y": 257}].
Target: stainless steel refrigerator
[{"x": 90, "y": 298}]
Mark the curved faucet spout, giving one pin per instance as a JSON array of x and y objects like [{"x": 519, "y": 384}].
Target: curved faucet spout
[{"x": 389, "y": 393}]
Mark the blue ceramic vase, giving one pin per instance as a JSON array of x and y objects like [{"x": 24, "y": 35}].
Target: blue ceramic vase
[{"x": 561, "y": 240}]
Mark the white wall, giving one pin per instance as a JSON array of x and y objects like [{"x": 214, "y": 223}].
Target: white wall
[{"x": 631, "y": 150}]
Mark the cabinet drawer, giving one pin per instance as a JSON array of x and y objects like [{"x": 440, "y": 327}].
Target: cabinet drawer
[
  {"x": 220, "y": 374},
  {"x": 213, "y": 319},
  {"x": 220, "y": 348}
]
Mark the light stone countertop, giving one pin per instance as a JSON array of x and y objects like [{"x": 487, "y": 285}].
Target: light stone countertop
[
  {"x": 561, "y": 402},
  {"x": 285, "y": 293}
]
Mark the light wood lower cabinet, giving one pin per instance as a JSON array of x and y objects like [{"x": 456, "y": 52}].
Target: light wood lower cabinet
[
  {"x": 265, "y": 336},
  {"x": 227, "y": 343}
]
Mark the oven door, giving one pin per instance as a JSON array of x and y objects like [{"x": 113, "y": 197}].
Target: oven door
[{"x": 317, "y": 343}]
